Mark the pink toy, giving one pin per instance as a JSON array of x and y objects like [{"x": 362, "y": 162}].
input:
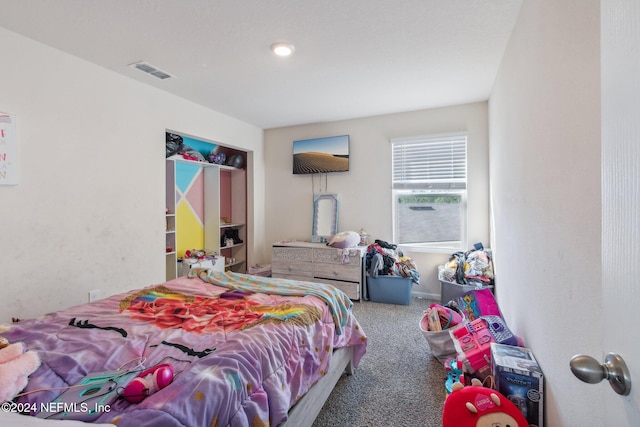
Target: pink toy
[
  {"x": 15, "y": 367},
  {"x": 473, "y": 342},
  {"x": 477, "y": 406},
  {"x": 148, "y": 382}
]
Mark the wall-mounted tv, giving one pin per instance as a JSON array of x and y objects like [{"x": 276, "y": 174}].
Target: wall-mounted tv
[{"x": 321, "y": 155}]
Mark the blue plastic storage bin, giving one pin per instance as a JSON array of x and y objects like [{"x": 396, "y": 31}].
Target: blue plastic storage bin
[{"x": 390, "y": 289}]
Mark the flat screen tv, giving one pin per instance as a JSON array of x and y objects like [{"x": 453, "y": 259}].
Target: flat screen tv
[{"x": 321, "y": 155}]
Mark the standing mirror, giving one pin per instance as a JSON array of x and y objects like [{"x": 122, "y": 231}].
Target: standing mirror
[{"x": 325, "y": 217}]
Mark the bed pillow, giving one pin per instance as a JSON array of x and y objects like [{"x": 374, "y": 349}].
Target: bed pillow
[{"x": 345, "y": 239}]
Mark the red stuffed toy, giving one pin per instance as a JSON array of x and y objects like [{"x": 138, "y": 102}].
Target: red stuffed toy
[{"x": 477, "y": 406}]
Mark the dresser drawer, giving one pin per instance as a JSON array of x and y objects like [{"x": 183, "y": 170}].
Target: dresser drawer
[
  {"x": 352, "y": 290},
  {"x": 292, "y": 277},
  {"x": 344, "y": 272},
  {"x": 292, "y": 268},
  {"x": 335, "y": 256},
  {"x": 292, "y": 254}
]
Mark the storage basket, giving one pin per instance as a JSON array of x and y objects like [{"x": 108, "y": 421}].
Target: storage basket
[{"x": 440, "y": 343}]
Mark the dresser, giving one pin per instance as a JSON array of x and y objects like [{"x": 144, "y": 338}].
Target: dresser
[{"x": 317, "y": 262}]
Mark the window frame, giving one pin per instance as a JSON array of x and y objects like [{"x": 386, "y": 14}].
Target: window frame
[{"x": 452, "y": 186}]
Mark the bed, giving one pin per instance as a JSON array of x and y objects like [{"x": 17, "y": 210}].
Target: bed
[{"x": 245, "y": 350}]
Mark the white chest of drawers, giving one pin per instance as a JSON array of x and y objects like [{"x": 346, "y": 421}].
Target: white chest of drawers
[{"x": 317, "y": 262}]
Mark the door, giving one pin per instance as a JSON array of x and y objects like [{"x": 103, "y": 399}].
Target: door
[{"x": 620, "y": 60}]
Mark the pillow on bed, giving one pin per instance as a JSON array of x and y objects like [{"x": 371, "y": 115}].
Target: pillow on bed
[{"x": 345, "y": 239}]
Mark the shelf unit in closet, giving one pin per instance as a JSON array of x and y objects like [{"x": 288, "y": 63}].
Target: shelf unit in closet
[
  {"x": 224, "y": 195},
  {"x": 170, "y": 224},
  {"x": 233, "y": 206}
]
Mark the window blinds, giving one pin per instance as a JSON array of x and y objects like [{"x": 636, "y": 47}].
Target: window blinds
[{"x": 437, "y": 162}]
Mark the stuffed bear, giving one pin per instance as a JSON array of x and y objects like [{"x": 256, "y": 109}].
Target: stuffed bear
[
  {"x": 477, "y": 406},
  {"x": 16, "y": 365}
]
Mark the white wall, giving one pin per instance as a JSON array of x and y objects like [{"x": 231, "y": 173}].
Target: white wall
[
  {"x": 365, "y": 191},
  {"x": 545, "y": 184},
  {"x": 88, "y": 212}
]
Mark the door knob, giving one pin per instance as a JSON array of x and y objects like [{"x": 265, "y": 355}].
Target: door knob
[{"x": 614, "y": 369}]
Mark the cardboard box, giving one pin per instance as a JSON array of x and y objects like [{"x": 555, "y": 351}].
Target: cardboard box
[
  {"x": 390, "y": 289},
  {"x": 519, "y": 377}
]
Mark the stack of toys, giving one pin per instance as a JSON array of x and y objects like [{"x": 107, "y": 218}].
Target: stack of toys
[{"x": 487, "y": 354}]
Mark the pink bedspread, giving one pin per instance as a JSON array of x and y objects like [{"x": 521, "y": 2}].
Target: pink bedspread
[{"x": 241, "y": 358}]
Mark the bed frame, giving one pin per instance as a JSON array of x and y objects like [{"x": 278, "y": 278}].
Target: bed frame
[{"x": 305, "y": 411}]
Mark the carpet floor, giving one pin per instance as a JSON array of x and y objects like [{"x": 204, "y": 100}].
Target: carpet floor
[{"x": 398, "y": 381}]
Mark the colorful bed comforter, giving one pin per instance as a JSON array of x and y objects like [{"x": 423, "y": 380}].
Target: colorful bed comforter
[{"x": 242, "y": 354}]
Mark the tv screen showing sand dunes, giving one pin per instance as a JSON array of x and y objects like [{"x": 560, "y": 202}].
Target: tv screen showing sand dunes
[{"x": 321, "y": 155}]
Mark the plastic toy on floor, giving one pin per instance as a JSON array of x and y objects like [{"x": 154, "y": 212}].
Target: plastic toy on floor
[
  {"x": 454, "y": 373},
  {"x": 477, "y": 406}
]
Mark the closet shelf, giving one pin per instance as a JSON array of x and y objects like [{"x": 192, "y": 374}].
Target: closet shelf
[
  {"x": 230, "y": 225},
  {"x": 232, "y": 246}
]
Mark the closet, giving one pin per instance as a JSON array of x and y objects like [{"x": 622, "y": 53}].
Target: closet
[{"x": 204, "y": 200}]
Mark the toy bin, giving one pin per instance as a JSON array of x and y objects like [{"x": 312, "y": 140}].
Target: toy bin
[
  {"x": 440, "y": 342},
  {"x": 450, "y": 290},
  {"x": 390, "y": 289}
]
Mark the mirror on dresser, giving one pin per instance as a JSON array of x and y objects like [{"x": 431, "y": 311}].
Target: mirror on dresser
[{"x": 325, "y": 217}]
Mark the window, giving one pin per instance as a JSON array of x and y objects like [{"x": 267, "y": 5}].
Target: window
[{"x": 430, "y": 192}]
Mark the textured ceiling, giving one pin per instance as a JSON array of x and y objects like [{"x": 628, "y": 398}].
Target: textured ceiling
[{"x": 353, "y": 58}]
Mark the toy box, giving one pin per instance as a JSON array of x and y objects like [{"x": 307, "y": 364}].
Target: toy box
[
  {"x": 478, "y": 302},
  {"x": 519, "y": 378},
  {"x": 390, "y": 289},
  {"x": 473, "y": 342}
]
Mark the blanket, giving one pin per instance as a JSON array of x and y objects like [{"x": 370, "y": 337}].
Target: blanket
[
  {"x": 240, "y": 357},
  {"x": 339, "y": 304}
]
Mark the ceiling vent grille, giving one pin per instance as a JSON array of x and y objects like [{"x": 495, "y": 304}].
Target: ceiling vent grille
[{"x": 150, "y": 69}]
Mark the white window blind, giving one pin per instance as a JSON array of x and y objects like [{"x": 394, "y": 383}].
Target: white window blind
[{"x": 433, "y": 162}]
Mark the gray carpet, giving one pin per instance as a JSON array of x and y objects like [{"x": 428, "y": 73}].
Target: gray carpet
[{"x": 398, "y": 382}]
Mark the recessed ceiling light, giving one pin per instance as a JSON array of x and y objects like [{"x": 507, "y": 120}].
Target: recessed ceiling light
[{"x": 282, "y": 49}]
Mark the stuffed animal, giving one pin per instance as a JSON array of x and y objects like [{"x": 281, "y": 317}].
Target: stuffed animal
[
  {"x": 477, "y": 406},
  {"x": 16, "y": 365}
]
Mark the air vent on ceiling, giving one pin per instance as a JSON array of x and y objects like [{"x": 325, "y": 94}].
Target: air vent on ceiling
[{"x": 150, "y": 69}]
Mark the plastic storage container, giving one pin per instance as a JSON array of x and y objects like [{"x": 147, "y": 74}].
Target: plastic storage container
[
  {"x": 390, "y": 289},
  {"x": 450, "y": 290}
]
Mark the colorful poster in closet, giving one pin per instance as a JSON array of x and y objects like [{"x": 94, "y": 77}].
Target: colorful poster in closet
[{"x": 8, "y": 150}]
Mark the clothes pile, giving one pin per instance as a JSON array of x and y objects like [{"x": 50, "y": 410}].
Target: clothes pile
[
  {"x": 474, "y": 267},
  {"x": 384, "y": 258}
]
